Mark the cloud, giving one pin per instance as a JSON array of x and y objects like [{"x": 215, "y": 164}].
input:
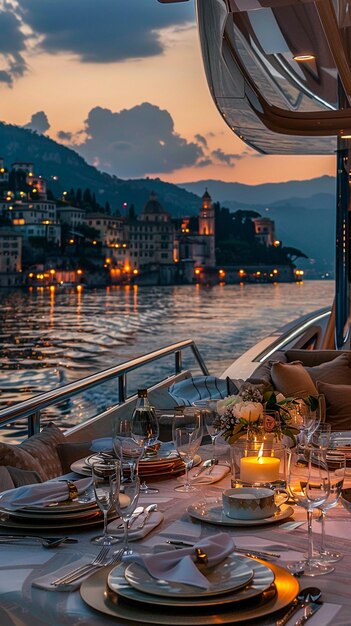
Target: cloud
[
  {"x": 39, "y": 122},
  {"x": 204, "y": 162},
  {"x": 103, "y": 31},
  {"x": 12, "y": 45},
  {"x": 65, "y": 136},
  {"x": 224, "y": 157},
  {"x": 135, "y": 142},
  {"x": 201, "y": 139}
]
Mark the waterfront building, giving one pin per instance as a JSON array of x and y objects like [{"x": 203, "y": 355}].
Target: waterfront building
[
  {"x": 10, "y": 258},
  {"x": 198, "y": 246},
  {"x": 265, "y": 230},
  {"x": 110, "y": 228},
  {"x": 4, "y": 173},
  {"x": 71, "y": 215}
]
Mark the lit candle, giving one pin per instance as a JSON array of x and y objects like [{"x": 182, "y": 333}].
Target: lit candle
[{"x": 259, "y": 469}]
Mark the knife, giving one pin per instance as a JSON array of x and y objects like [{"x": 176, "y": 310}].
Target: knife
[
  {"x": 138, "y": 511},
  {"x": 310, "y": 609}
]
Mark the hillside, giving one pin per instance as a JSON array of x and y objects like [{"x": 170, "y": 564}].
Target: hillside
[{"x": 53, "y": 159}]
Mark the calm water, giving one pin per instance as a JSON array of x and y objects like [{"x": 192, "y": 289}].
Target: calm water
[{"x": 49, "y": 338}]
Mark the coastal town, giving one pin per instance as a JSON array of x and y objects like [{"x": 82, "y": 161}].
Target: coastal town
[{"x": 72, "y": 240}]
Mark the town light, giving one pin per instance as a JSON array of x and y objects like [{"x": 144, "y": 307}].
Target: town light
[
  {"x": 79, "y": 272},
  {"x": 135, "y": 271},
  {"x": 276, "y": 243},
  {"x": 198, "y": 271},
  {"x": 275, "y": 271}
]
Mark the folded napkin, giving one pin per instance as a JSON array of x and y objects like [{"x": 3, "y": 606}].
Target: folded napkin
[
  {"x": 179, "y": 565},
  {"x": 40, "y": 494},
  {"x": 218, "y": 472},
  {"x": 136, "y": 532}
]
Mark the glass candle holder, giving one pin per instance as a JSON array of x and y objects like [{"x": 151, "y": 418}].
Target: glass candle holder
[{"x": 258, "y": 462}]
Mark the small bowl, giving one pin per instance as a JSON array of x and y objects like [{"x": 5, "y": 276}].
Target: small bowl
[{"x": 249, "y": 503}]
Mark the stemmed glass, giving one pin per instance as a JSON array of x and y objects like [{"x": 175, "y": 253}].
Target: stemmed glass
[
  {"x": 103, "y": 474},
  {"x": 131, "y": 489},
  {"x": 211, "y": 421},
  {"x": 308, "y": 484},
  {"x": 187, "y": 436},
  {"x": 145, "y": 432},
  {"x": 337, "y": 466},
  {"x": 127, "y": 450},
  {"x": 310, "y": 423},
  {"x": 321, "y": 436}
]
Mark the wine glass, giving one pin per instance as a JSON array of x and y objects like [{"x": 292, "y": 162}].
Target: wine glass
[
  {"x": 211, "y": 420},
  {"x": 321, "y": 436},
  {"x": 308, "y": 484},
  {"x": 187, "y": 436},
  {"x": 337, "y": 466},
  {"x": 102, "y": 475},
  {"x": 131, "y": 489},
  {"x": 145, "y": 432},
  {"x": 127, "y": 450}
]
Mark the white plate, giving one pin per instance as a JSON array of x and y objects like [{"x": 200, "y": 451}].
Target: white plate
[
  {"x": 212, "y": 512},
  {"x": 233, "y": 573},
  {"x": 262, "y": 579}
]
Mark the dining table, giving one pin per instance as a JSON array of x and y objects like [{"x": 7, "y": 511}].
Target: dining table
[{"x": 24, "y": 604}]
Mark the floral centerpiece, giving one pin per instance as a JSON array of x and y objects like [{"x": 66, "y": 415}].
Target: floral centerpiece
[{"x": 257, "y": 410}]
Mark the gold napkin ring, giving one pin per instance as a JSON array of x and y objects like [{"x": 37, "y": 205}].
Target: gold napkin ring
[
  {"x": 201, "y": 557},
  {"x": 72, "y": 490}
]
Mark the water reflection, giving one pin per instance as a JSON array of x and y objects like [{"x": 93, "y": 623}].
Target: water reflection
[{"x": 49, "y": 337}]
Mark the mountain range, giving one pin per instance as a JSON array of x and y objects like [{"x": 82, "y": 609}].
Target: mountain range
[{"x": 303, "y": 210}]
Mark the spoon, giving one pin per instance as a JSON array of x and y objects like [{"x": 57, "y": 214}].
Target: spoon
[
  {"x": 147, "y": 512},
  {"x": 310, "y": 594},
  {"x": 46, "y": 542},
  {"x": 204, "y": 466}
]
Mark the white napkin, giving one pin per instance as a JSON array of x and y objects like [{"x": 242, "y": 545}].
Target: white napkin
[
  {"x": 218, "y": 472},
  {"x": 136, "y": 533},
  {"x": 40, "y": 494},
  {"x": 179, "y": 565}
]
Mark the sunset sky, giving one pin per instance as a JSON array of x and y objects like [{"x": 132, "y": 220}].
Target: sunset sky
[{"x": 122, "y": 82}]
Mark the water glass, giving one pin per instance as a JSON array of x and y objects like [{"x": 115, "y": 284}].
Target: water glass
[
  {"x": 126, "y": 449},
  {"x": 337, "y": 467},
  {"x": 187, "y": 436},
  {"x": 103, "y": 474},
  {"x": 131, "y": 489},
  {"x": 308, "y": 484},
  {"x": 321, "y": 436},
  {"x": 211, "y": 421}
]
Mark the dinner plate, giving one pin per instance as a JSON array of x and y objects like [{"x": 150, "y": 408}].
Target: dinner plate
[
  {"x": 25, "y": 524},
  {"x": 263, "y": 578},
  {"x": 151, "y": 469},
  {"x": 97, "y": 595},
  {"x": 213, "y": 514},
  {"x": 232, "y": 573}
]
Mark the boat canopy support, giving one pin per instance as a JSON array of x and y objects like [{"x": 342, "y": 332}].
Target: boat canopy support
[{"x": 343, "y": 242}]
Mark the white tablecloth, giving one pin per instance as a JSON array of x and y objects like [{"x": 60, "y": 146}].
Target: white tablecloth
[{"x": 23, "y": 605}]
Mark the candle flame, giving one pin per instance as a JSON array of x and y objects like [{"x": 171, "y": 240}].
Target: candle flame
[{"x": 260, "y": 454}]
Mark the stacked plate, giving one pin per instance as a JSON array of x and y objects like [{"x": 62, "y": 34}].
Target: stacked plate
[
  {"x": 161, "y": 465},
  {"x": 211, "y": 511},
  {"x": 53, "y": 516},
  {"x": 240, "y": 589}
]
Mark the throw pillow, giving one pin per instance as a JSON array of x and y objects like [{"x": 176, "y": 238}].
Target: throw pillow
[
  {"x": 335, "y": 372},
  {"x": 337, "y": 405},
  {"x": 72, "y": 451},
  {"x": 43, "y": 448},
  {"x": 292, "y": 379},
  {"x": 23, "y": 477},
  {"x": 262, "y": 373},
  {"x": 6, "y": 481},
  {"x": 15, "y": 456}
]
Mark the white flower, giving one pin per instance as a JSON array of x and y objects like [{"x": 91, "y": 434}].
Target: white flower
[
  {"x": 249, "y": 411},
  {"x": 227, "y": 403}
]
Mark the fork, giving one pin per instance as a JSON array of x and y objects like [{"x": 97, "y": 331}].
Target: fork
[{"x": 83, "y": 569}]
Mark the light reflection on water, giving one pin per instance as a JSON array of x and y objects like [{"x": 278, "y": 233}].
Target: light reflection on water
[{"x": 52, "y": 337}]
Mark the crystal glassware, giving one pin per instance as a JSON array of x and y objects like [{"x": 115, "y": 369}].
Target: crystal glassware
[
  {"x": 187, "y": 435},
  {"x": 308, "y": 484},
  {"x": 211, "y": 421},
  {"x": 103, "y": 474},
  {"x": 321, "y": 436},
  {"x": 337, "y": 466},
  {"x": 144, "y": 428},
  {"x": 126, "y": 449},
  {"x": 131, "y": 489}
]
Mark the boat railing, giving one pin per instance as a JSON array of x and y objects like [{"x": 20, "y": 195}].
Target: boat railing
[{"x": 32, "y": 408}]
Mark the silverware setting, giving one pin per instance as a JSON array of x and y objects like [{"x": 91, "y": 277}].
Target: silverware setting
[
  {"x": 138, "y": 511},
  {"x": 46, "y": 542},
  {"x": 310, "y": 609},
  {"x": 304, "y": 598},
  {"x": 258, "y": 554},
  {"x": 145, "y": 516},
  {"x": 100, "y": 560}
]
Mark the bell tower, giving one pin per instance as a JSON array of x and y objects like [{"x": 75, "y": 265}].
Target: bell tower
[{"x": 206, "y": 216}]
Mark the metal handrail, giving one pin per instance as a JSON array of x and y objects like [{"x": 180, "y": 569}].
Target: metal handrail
[{"x": 31, "y": 409}]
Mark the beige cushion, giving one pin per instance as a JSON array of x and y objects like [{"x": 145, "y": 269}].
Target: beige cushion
[
  {"x": 43, "y": 448},
  {"x": 292, "y": 380},
  {"x": 15, "y": 456},
  {"x": 337, "y": 405},
  {"x": 335, "y": 372}
]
